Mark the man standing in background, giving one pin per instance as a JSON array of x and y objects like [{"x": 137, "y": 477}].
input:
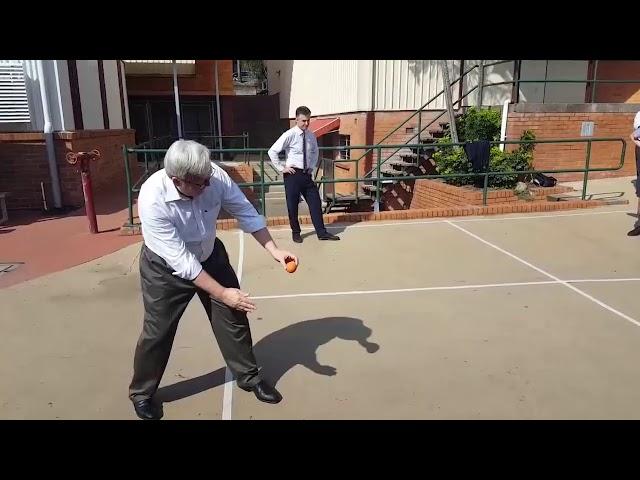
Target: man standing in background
[{"x": 301, "y": 147}]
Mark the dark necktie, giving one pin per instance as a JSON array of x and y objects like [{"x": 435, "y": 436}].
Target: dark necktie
[{"x": 304, "y": 150}]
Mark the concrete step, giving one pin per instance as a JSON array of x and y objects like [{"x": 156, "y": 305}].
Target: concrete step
[{"x": 606, "y": 198}]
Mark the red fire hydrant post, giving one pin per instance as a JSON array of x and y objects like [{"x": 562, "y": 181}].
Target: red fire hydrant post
[{"x": 84, "y": 158}]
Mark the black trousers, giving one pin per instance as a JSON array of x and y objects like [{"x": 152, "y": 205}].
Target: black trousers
[
  {"x": 165, "y": 297},
  {"x": 301, "y": 183}
]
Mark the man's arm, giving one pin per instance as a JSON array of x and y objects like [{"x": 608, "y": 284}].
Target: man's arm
[
  {"x": 162, "y": 237},
  {"x": 634, "y": 139},
  {"x": 235, "y": 202},
  {"x": 315, "y": 152},
  {"x": 232, "y": 297},
  {"x": 263, "y": 237},
  {"x": 281, "y": 144}
]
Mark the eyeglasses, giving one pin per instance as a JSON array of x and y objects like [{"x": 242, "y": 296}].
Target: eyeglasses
[{"x": 204, "y": 184}]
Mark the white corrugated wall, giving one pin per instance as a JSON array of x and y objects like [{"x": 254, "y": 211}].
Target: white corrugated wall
[
  {"x": 338, "y": 86},
  {"x": 409, "y": 84}
]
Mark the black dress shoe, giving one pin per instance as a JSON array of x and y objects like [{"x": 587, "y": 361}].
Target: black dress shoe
[
  {"x": 296, "y": 237},
  {"x": 265, "y": 392},
  {"x": 328, "y": 236},
  {"x": 635, "y": 232},
  {"x": 147, "y": 410}
]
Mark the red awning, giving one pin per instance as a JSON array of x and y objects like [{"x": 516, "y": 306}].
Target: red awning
[{"x": 320, "y": 126}]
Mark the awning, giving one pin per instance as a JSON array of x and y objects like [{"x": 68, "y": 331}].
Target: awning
[{"x": 320, "y": 126}]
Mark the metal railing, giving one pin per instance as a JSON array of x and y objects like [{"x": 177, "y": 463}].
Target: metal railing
[
  {"x": 418, "y": 112},
  {"x": 220, "y": 142},
  {"x": 515, "y": 96},
  {"x": 210, "y": 141},
  {"x": 517, "y": 81},
  {"x": 133, "y": 188}
]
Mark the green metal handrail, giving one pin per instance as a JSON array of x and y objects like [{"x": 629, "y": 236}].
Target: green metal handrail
[
  {"x": 420, "y": 130},
  {"x": 419, "y": 110},
  {"x": 482, "y": 85},
  {"x": 517, "y": 81},
  {"x": 131, "y": 189}
]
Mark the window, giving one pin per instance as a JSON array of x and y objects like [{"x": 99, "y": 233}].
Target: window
[
  {"x": 345, "y": 141},
  {"x": 14, "y": 103}
]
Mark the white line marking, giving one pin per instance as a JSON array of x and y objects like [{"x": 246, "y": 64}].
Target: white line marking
[
  {"x": 598, "y": 280},
  {"x": 539, "y": 216},
  {"x": 227, "y": 399},
  {"x": 423, "y": 222},
  {"x": 445, "y": 287},
  {"x": 553, "y": 277},
  {"x": 405, "y": 290},
  {"x": 240, "y": 255}
]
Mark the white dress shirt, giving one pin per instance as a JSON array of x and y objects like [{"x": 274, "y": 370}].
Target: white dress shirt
[
  {"x": 291, "y": 142},
  {"x": 183, "y": 231}
]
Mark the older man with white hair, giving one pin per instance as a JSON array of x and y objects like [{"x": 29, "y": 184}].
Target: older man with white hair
[{"x": 178, "y": 207}]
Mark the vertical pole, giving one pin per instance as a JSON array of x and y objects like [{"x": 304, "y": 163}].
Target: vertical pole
[
  {"x": 177, "y": 98},
  {"x": 449, "y": 103}
]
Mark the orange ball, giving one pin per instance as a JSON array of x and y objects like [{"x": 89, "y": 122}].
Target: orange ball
[{"x": 291, "y": 266}]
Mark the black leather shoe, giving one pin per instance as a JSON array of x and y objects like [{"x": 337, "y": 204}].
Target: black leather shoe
[
  {"x": 328, "y": 236},
  {"x": 147, "y": 410},
  {"x": 635, "y": 232},
  {"x": 296, "y": 237},
  {"x": 265, "y": 392}
]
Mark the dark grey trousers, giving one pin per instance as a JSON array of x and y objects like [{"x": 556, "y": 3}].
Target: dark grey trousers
[{"x": 165, "y": 297}]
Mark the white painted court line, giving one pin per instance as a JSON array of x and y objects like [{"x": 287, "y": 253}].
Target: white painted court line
[
  {"x": 600, "y": 280},
  {"x": 240, "y": 255},
  {"x": 553, "y": 277},
  {"x": 227, "y": 399},
  {"x": 461, "y": 220},
  {"x": 442, "y": 288},
  {"x": 528, "y": 217},
  {"x": 402, "y": 290}
]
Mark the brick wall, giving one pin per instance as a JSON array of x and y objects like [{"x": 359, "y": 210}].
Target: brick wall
[
  {"x": 385, "y": 122},
  {"x": 437, "y": 194},
  {"x": 354, "y": 125},
  {"x": 241, "y": 173},
  {"x": 23, "y": 165},
  {"x": 202, "y": 83},
  {"x": 555, "y": 125}
]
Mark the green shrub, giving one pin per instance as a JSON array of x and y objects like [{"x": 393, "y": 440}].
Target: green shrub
[
  {"x": 452, "y": 160},
  {"x": 475, "y": 125},
  {"x": 478, "y": 124}
]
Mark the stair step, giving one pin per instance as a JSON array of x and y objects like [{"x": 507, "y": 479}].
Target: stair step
[
  {"x": 402, "y": 164},
  {"x": 346, "y": 199},
  {"x": 403, "y": 152},
  {"x": 391, "y": 172},
  {"x": 563, "y": 197}
]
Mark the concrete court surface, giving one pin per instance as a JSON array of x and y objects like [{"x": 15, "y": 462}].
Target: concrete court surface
[{"x": 505, "y": 317}]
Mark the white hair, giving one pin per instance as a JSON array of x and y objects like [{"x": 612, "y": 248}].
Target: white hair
[{"x": 186, "y": 157}]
